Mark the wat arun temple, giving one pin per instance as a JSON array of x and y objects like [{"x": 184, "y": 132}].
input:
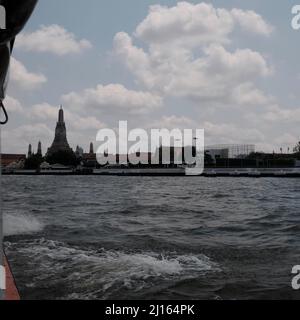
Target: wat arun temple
[{"x": 60, "y": 142}]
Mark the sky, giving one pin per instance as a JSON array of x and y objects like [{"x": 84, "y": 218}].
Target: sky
[{"x": 230, "y": 67}]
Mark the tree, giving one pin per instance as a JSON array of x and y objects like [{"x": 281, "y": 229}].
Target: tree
[
  {"x": 297, "y": 150},
  {"x": 33, "y": 162},
  {"x": 67, "y": 158}
]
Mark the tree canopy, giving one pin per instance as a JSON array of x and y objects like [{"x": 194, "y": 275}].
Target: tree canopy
[
  {"x": 66, "y": 158},
  {"x": 297, "y": 148},
  {"x": 33, "y": 162}
]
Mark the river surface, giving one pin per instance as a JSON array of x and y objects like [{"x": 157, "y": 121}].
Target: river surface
[{"x": 95, "y": 237}]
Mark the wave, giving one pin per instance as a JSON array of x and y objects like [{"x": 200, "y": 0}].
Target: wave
[
  {"x": 20, "y": 224},
  {"x": 103, "y": 274}
]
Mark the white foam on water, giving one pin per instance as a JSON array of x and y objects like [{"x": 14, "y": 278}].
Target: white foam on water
[
  {"x": 102, "y": 273},
  {"x": 20, "y": 224}
]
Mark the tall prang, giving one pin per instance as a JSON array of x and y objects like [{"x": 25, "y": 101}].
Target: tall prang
[
  {"x": 91, "y": 148},
  {"x": 29, "y": 154},
  {"x": 39, "y": 152},
  {"x": 60, "y": 142}
]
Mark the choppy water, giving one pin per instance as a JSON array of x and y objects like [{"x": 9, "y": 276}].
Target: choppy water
[{"x": 152, "y": 238}]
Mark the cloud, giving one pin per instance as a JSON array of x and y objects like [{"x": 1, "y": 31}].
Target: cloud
[
  {"x": 231, "y": 133},
  {"x": 185, "y": 54},
  {"x": 252, "y": 22},
  {"x": 112, "y": 98},
  {"x": 40, "y": 130},
  {"x": 173, "y": 122},
  {"x": 47, "y": 112},
  {"x": 86, "y": 123},
  {"x": 247, "y": 94},
  {"x": 214, "y": 76},
  {"x": 287, "y": 139},
  {"x": 18, "y": 139},
  {"x": 13, "y": 105},
  {"x": 23, "y": 78},
  {"x": 43, "y": 111},
  {"x": 195, "y": 25},
  {"x": 52, "y": 39},
  {"x": 277, "y": 113},
  {"x": 221, "y": 133},
  {"x": 185, "y": 24}
]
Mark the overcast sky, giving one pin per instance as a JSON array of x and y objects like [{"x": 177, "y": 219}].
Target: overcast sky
[{"x": 230, "y": 67}]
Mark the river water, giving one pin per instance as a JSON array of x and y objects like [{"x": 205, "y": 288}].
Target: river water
[{"x": 99, "y": 237}]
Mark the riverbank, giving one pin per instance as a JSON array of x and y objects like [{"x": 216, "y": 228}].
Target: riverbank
[{"x": 208, "y": 172}]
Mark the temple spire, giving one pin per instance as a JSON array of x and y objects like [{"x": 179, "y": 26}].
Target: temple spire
[
  {"x": 39, "y": 152},
  {"x": 61, "y": 115},
  {"x": 91, "y": 148},
  {"x": 29, "y": 151}
]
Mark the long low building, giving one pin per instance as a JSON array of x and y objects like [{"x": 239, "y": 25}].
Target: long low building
[
  {"x": 232, "y": 151},
  {"x": 8, "y": 159}
]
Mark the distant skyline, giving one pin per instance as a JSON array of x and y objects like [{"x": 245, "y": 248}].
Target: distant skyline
[{"x": 162, "y": 64}]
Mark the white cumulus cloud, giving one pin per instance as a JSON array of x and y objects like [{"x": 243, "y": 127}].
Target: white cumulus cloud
[
  {"x": 197, "y": 24},
  {"x": 13, "y": 105},
  {"x": 213, "y": 76},
  {"x": 252, "y": 22},
  {"x": 52, "y": 39},
  {"x": 23, "y": 78},
  {"x": 114, "y": 97},
  {"x": 185, "y": 54}
]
